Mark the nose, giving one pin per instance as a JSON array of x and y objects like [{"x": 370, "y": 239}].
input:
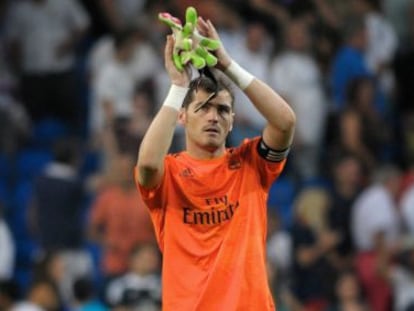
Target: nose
[{"x": 213, "y": 114}]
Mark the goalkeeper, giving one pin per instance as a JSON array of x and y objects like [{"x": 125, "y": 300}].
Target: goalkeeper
[{"x": 208, "y": 202}]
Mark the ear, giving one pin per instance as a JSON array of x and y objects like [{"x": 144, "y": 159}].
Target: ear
[
  {"x": 182, "y": 117},
  {"x": 232, "y": 122}
]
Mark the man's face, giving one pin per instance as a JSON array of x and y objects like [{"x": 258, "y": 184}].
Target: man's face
[{"x": 207, "y": 125}]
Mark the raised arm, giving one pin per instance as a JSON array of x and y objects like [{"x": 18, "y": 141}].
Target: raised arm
[
  {"x": 278, "y": 133},
  {"x": 159, "y": 135}
]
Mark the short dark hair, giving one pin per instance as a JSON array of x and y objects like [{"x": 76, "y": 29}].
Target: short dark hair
[
  {"x": 353, "y": 26},
  {"x": 210, "y": 85},
  {"x": 67, "y": 150},
  {"x": 83, "y": 289},
  {"x": 124, "y": 36}
]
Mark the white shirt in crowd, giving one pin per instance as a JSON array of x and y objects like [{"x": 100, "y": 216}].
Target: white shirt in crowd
[
  {"x": 296, "y": 77},
  {"x": 407, "y": 209},
  {"x": 132, "y": 281},
  {"x": 403, "y": 288},
  {"x": 255, "y": 62},
  {"x": 7, "y": 252},
  {"x": 26, "y": 306},
  {"x": 41, "y": 27},
  {"x": 114, "y": 84},
  {"x": 115, "y": 81},
  {"x": 374, "y": 211}
]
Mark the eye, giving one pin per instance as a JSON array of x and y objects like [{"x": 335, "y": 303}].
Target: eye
[
  {"x": 223, "y": 109},
  {"x": 205, "y": 107}
]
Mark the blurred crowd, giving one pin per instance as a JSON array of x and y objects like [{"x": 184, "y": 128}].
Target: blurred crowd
[{"x": 80, "y": 82}]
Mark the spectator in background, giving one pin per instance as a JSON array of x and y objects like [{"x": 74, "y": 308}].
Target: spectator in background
[
  {"x": 313, "y": 272},
  {"x": 140, "y": 286},
  {"x": 375, "y": 209},
  {"x": 114, "y": 88},
  {"x": 253, "y": 51},
  {"x": 346, "y": 183},
  {"x": 58, "y": 211},
  {"x": 348, "y": 293},
  {"x": 407, "y": 209},
  {"x": 376, "y": 231},
  {"x": 50, "y": 267},
  {"x": 85, "y": 297},
  {"x": 370, "y": 266},
  {"x": 7, "y": 253},
  {"x": 122, "y": 13},
  {"x": 14, "y": 121},
  {"x": 118, "y": 65},
  {"x": 41, "y": 296},
  {"x": 349, "y": 62},
  {"x": 382, "y": 41},
  {"x": 9, "y": 294},
  {"x": 296, "y": 69},
  {"x": 359, "y": 125},
  {"x": 118, "y": 217},
  {"x": 44, "y": 35},
  {"x": 404, "y": 62}
]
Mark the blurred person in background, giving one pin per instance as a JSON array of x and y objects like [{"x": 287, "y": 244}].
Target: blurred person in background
[
  {"x": 407, "y": 209},
  {"x": 293, "y": 69},
  {"x": 252, "y": 49},
  {"x": 118, "y": 65},
  {"x": 113, "y": 87},
  {"x": 346, "y": 182},
  {"x": 370, "y": 266},
  {"x": 7, "y": 247},
  {"x": 50, "y": 267},
  {"x": 85, "y": 297},
  {"x": 313, "y": 270},
  {"x": 43, "y": 36},
  {"x": 58, "y": 209},
  {"x": 382, "y": 41},
  {"x": 41, "y": 296},
  {"x": 359, "y": 123},
  {"x": 140, "y": 286},
  {"x": 279, "y": 247},
  {"x": 14, "y": 120},
  {"x": 375, "y": 209},
  {"x": 122, "y": 13},
  {"x": 349, "y": 62},
  {"x": 348, "y": 294},
  {"x": 118, "y": 218},
  {"x": 400, "y": 274},
  {"x": 376, "y": 231},
  {"x": 9, "y": 294}
]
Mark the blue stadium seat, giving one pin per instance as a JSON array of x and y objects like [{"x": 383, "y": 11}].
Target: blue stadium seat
[
  {"x": 47, "y": 131},
  {"x": 26, "y": 246},
  {"x": 4, "y": 166},
  {"x": 281, "y": 196},
  {"x": 31, "y": 162}
]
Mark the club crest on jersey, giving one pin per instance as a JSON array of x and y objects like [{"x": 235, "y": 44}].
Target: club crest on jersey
[
  {"x": 234, "y": 163},
  {"x": 187, "y": 172}
]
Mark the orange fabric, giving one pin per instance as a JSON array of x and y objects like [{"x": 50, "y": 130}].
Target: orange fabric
[
  {"x": 210, "y": 222},
  {"x": 125, "y": 221}
]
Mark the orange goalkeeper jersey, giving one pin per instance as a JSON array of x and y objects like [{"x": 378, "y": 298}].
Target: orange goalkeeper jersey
[{"x": 210, "y": 221}]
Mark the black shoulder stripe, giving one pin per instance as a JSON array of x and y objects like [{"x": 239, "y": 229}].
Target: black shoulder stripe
[{"x": 270, "y": 154}]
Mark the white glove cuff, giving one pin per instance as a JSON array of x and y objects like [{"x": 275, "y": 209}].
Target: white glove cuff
[
  {"x": 239, "y": 75},
  {"x": 175, "y": 97}
]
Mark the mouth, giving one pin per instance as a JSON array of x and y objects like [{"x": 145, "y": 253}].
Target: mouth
[{"x": 212, "y": 131}]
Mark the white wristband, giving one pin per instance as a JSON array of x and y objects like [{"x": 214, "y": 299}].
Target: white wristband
[
  {"x": 175, "y": 97},
  {"x": 239, "y": 75}
]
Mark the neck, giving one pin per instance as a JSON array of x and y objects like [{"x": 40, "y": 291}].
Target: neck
[{"x": 205, "y": 153}]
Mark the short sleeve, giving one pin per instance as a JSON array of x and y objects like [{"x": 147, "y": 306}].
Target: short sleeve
[{"x": 268, "y": 171}]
